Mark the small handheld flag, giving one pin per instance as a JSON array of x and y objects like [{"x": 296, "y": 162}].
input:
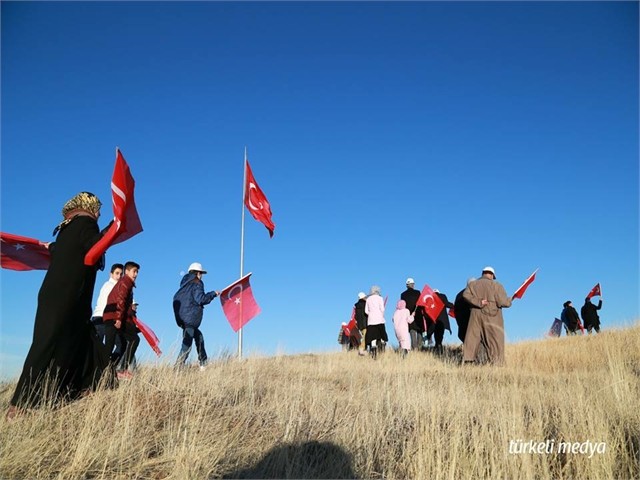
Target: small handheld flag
[
  {"x": 238, "y": 303},
  {"x": 520, "y": 291},
  {"x": 595, "y": 291},
  {"x": 431, "y": 302}
]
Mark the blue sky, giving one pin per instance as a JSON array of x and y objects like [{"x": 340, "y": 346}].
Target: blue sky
[{"x": 416, "y": 139}]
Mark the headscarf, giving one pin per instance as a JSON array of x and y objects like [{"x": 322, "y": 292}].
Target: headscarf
[
  {"x": 401, "y": 305},
  {"x": 84, "y": 202}
]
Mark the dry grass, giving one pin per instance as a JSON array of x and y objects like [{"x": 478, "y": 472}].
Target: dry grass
[{"x": 342, "y": 416}]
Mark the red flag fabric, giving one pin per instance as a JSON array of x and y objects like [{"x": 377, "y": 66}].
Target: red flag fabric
[
  {"x": 256, "y": 202},
  {"x": 520, "y": 291},
  {"x": 149, "y": 335},
  {"x": 23, "y": 253},
  {"x": 126, "y": 222},
  {"x": 238, "y": 303},
  {"x": 431, "y": 302},
  {"x": 452, "y": 314},
  {"x": 352, "y": 323},
  {"x": 595, "y": 291}
]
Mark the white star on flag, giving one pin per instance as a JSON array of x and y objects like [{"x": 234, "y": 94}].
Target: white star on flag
[
  {"x": 19, "y": 246},
  {"x": 237, "y": 301}
]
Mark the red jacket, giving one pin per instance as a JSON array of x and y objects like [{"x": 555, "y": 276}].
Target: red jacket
[{"x": 119, "y": 301}]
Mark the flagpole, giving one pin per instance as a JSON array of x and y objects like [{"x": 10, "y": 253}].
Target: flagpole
[{"x": 244, "y": 186}]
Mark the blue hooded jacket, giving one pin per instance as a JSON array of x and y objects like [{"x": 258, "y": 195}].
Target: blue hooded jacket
[{"x": 189, "y": 301}]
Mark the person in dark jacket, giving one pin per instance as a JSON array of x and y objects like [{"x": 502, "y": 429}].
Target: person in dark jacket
[
  {"x": 361, "y": 320},
  {"x": 442, "y": 322},
  {"x": 569, "y": 317},
  {"x": 66, "y": 359},
  {"x": 417, "y": 327},
  {"x": 188, "y": 306},
  {"x": 589, "y": 313},
  {"x": 462, "y": 311}
]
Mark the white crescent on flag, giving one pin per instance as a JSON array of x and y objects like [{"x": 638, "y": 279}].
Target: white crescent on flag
[
  {"x": 252, "y": 187},
  {"x": 424, "y": 300},
  {"x": 230, "y": 294}
]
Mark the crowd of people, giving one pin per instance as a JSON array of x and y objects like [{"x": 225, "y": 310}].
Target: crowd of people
[{"x": 477, "y": 309}]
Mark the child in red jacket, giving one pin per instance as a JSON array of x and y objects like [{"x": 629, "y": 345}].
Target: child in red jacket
[{"x": 117, "y": 312}]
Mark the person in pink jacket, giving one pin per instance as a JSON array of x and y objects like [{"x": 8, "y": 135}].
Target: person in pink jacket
[
  {"x": 376, "y": 335},
  {"x": 401, "y": 320}
]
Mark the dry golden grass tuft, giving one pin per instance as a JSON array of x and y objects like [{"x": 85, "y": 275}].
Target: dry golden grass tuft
[{"x": 343, "y": 416}]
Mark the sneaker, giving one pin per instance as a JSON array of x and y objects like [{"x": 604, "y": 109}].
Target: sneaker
[{"x": 202, "y": 368}]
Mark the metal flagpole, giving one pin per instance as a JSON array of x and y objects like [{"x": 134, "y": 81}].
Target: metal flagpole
[{"x": 244, "y": 186}]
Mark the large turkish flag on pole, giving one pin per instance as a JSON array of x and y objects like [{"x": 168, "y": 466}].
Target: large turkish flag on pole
[
  {"x": 255, "y": 200},
  {"x": 238, "y": 303}
]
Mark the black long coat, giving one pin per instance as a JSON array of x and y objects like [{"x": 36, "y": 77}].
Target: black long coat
[
  {"x": 590, "y": 315},
  {"x": 462, "y": 310},
  {"x": 411, "y": 297},
  {"x": 361, "y": 316},
  {"x": 65, "y": 347},
  {"x": 443, "y": 316}
]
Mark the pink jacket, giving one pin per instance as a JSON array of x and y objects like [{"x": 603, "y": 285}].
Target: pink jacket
[
  {"x": 401, "y": 320},
  {"x": 375, "y": 309}
]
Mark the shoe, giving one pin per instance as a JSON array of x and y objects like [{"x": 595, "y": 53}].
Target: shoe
[
  {"x": 125, "y": 375},
  {"x": 202, "y": 368},
  {"x": 361, "y": 353}
]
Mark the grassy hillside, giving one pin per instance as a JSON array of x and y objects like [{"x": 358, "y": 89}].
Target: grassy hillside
[{"x": 343, "y": 416}]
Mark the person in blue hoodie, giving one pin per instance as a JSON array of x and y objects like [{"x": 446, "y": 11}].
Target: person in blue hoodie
[{"x": 188, "y": 306}]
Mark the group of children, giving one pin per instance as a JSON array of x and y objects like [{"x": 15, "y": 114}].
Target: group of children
[{"x": 114, "y": 317}]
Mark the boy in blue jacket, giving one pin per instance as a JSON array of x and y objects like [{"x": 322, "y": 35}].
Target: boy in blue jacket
[{"x": 188, "y": 306}]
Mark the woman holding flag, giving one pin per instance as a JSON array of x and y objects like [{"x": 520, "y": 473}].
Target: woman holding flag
[{"x": 66, "y": 358}]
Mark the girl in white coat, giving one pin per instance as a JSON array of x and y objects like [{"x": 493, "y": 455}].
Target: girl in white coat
[{"x": 401, "y": 320}]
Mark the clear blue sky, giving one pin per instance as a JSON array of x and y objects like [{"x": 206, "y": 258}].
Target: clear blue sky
[{"x": 392, "y": 140}]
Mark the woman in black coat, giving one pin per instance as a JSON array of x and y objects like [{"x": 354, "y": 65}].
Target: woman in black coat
[{"x": 66, "y": 358}]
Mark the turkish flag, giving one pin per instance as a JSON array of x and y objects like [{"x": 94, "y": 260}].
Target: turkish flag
[
  {"x": 149, "y": 335},
  {"x": 255, "y": 200},
  {"x": 238, "y": 303},
  {"x": 595, "y": 291},
  {"x": 520, "y": 292},
  {"x": 452, "y": 314},
  {"x": 23, "y": 253},
  {"x": 126, "y": 222},
  {"x": 352, "y": 322},
  {"x": 431, "y": 302}
]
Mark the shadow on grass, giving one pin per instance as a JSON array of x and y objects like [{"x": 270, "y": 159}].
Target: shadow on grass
[{"x": 301, "y": 460}]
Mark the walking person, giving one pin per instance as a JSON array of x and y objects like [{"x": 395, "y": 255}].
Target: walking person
[
  {"x": 116, "y": 272},
  {"x": 376, "y": 337},
  {"x": 131, "y": 337},
  {"x": 590, "y": 317},
  {"x": 417, "y": 328},
  {"x": 188, "y": 307},
  {"x": 66, "y": 360},
  {"x": 486, "y": 324},
  {"x": 117, "y": 313},
  {"x": 462, "y": 311},
  {"x": 402, "y": 318},
  {"x": 441, "y": 324},
  {"x": 361, "y": 321},
  {"x": 570, "y": 318}
]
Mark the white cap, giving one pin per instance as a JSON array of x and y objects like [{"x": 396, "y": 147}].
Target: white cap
[
  {"x": 361, "y": 295},
  {"x": 410, "y": 281},
  {"x": 196, "y": 267},
  {"x": 489, "y": 269},
  {"x": 135, "y": 302},
  {"x": 344, "y": 324}
]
